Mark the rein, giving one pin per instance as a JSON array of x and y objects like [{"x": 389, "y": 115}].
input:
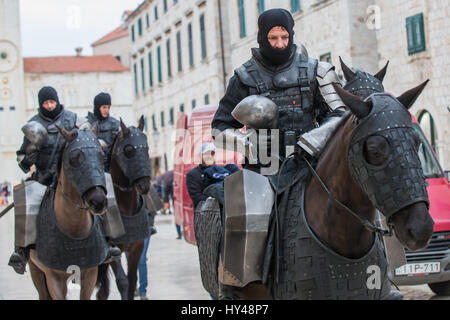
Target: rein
[
  {"x": 75, "y": 204},
  {"x": 123, "y": 189},
  {"x": 366, "y": 223}
]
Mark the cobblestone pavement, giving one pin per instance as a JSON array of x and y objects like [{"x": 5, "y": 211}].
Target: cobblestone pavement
[{"x": 173, "y": 269}]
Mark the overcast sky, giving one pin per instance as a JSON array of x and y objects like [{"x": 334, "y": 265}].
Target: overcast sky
[{"x": 57, "y": 27}]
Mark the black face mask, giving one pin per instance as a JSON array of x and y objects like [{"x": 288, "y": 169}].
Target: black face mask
[
  {"x": 268, "y": 20},
  {"x": 51, "y": 114}
]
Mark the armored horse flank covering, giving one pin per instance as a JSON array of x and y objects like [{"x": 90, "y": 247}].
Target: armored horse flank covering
[
  {"x": 248, "y": 203},
  {"x": 27, "y": 201},
  {"x": 208, "y": 233},
  {"x": 112, "y": 221}
]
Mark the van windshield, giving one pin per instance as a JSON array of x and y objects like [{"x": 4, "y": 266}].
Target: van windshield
[{"x": 430, "y": 165}]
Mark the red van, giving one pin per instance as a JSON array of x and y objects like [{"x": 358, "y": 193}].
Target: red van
[
  {"x": 430, "y": 265},
  {"x": 190, "y": 135}
]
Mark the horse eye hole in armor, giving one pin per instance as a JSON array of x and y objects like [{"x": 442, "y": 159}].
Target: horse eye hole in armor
[
  {"x": 76, "y": 157},
  {"x": 129, "y": 151},
  {"x": 376, "y": 150}
]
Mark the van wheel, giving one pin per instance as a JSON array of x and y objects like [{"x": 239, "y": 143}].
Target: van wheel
[{"x": 440, "y": 288}]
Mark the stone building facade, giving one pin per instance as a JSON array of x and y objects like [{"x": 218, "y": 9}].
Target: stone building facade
[
  {"x": 176, "y": 65},
  {"x": 415, "y": 36}
]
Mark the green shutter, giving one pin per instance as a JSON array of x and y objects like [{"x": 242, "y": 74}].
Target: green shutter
[
  {"x": 159, "y": 64},
  {"x": 142, "y": 74},
  {"x": 169, "y": 63},
  {"x": 261, "y": 6},
  {"x": 132, "y": 33},
  {"x": 295, "y": 6},
  {"x": 180, "y": 61},
  {"x": 150, "y": 68},
  {"x": 140, "y": 26},
  {"x": 135, "y": 79},
  {"x": 203, "y": 35},
  {"x": 242, "y": 18},
  {"x": 415, "y": 34},
  {"x": 191, "y": 49}
]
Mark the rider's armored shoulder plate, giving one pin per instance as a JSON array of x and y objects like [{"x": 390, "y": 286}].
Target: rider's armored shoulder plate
[
  {"x": 244, "y": 75},
  {"x": 326, "y": 76}
]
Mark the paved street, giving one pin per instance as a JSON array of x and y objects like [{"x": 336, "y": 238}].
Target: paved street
[{"x": 173, "y": 269}]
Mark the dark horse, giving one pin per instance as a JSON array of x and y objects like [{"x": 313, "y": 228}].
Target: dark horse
[
  {"x": 370, "y": 162},
  {"x": 130, "y": 172},
  {"x": 79, "y": 195}
]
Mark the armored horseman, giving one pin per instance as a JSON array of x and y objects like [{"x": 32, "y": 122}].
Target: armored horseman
[
  {"x": 43, "y": 152},
  {"x": 278, "y": 88},
  {"x": 108, "y": 127}
]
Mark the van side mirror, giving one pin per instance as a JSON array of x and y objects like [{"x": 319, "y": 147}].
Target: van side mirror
[{"x": 447, "y": 173}]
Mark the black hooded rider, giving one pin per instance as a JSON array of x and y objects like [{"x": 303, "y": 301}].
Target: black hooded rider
[
  {"x": 108, "y": 127},
  {"x": 50, "y": 114},
  {"x": 301, "y": 87}
]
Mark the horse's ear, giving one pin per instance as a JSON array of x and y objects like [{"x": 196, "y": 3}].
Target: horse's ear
[
  {"x": 349, "y": 75},
  {"x": 380, "y": 75},
  {"x": 356, "y": 105},
  {"x": 125, "y": 130},
  {"x": 141, "y": 123},
  {"x": 68, "y": 136},
  {"x": 94, "y": 128},
  {"x": 409, "y": 97}
]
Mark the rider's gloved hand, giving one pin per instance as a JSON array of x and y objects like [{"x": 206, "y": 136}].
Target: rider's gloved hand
[{"x": 29, "y": 160}]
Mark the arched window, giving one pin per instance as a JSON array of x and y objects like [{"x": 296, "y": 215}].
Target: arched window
[{"x": 429, "y": 128}]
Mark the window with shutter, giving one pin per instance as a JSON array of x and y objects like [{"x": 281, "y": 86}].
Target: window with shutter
[
  {"x": 241, "y": 18},
  {"x": 415, "y": 34}
]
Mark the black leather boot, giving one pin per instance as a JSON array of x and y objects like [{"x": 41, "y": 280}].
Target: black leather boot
[
  {"x": 229, "y": 292},
  {"x": 18, "y": 260}
]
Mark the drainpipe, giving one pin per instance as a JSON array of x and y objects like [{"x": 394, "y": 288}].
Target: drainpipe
[{"x": 224, "y": 72}]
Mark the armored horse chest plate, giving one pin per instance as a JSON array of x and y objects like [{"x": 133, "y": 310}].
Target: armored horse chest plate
[
  {"x": 310, "y": 270},
  {"x": 58, "y": 251},
  {"x": 136, "y": 227}
]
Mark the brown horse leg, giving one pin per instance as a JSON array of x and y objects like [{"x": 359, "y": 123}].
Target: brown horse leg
[
  {"x": 134, "y": 255},
  {"x": 56, "y": 285},
  {"x": 103, "y": 282},
  {"x": 121, "y": 279},
  {"x": 39, "y": 281},
  {"x": 88, "y": 280}
]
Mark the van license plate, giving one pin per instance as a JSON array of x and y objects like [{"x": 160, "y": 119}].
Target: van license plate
[{"x": 416, "y": 269}]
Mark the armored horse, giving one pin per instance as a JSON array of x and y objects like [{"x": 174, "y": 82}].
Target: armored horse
[
  {"x": 130, "y": 173},
  {"x": 69, "y": 236},
  {"x": 325, "y": 242}
]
